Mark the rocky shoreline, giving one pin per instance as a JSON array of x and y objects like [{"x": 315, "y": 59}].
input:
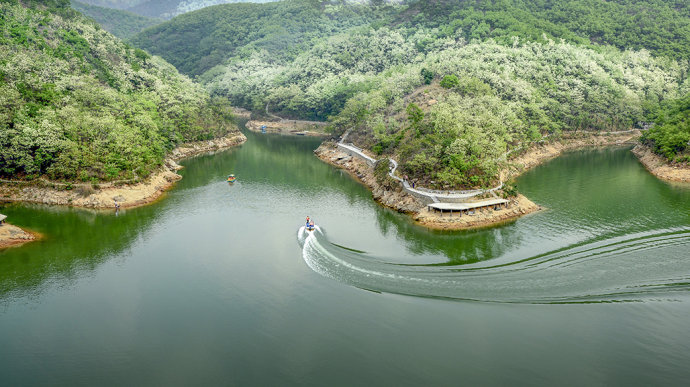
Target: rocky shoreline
[
  {"x": 14, "y": 236},
  {"x": 659, "y": 167},
  {"x": 108, "y": 196},
  {"x": 290, "y": 127},
  {"x": 519, "y": 206},
  {"x": 392, "y": 196},
  {"x": 542, "y": 152}
]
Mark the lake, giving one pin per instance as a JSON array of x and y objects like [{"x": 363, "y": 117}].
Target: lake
[{"x": 216, "y": 283}]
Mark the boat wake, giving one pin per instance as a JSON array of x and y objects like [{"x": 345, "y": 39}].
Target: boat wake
[{"x": 635, "y": 267}]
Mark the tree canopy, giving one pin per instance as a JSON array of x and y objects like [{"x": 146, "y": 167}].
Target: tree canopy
[{"x": 78, "y": 103}]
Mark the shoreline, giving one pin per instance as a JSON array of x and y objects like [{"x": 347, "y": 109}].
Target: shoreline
[
  {"x": 660, "y": 167},
  {"x": 538, "y": 154},
  {"x": 392, "y": 196},
  {"x": 126, "y": 195},
  {"x": 12, "y": 236},
  {"x": 289, "y": 127}
]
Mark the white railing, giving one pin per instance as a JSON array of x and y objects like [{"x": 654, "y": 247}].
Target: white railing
[{"x": 426, "y": 194}]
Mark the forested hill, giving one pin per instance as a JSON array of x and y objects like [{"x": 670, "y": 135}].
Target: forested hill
[
  {"x": 660, "y": 26},
  {"x": 445, "y": 87},
  {"x": 167, "y": 9},
  {"x": 197, "y": 41},
  {"x": 122, "y": 24},
  {"x": 78, "y": 103}
]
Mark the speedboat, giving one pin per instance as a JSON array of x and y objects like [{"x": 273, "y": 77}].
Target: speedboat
[
  {"x": 231, "y": 179},
  {"x": 310, "y": 227}
]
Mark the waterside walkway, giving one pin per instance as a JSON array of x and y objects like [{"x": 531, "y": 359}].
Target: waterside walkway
[
  {"x": 424, "y": 194},
  {"x": 469, "y": 208}
]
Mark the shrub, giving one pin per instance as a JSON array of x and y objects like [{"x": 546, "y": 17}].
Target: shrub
[
  {"x": 450, "y": 81},
  {"x": 381, "y": 169},
  {"x": 510, "y": 190},
  {"x": 427, "y": 76}
]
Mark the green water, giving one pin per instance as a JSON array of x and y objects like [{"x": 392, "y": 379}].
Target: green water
[{"x": 215, "y": 285}]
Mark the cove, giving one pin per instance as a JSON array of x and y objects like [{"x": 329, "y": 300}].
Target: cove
[{"x": 210, "y": 285}]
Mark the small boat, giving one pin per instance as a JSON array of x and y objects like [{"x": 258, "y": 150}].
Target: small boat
[
  {"x": 231, "y": 178},
  {"x": 310, "y": 224}
]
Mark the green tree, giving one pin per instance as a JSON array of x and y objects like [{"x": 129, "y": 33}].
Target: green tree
[
  {"x": 427, "y": 76},
  {"x": 450, "y": 81}
]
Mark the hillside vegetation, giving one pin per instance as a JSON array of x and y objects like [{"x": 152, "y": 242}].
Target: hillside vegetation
[
  {"x": 214, "y": 35},
  {"x": 197, "y": 41},
  {"x": 163, "y": 9},
  {"x": 486, "y": 99},
  {"x": 449, "y": 88},
  {"x": 659, "y": 26},
  {"x": 670, "y": 136},
  {"x": 78, "y": 103},
  {"x": 120, "y": 23}
]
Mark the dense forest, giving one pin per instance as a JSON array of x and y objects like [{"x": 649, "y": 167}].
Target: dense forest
[
  {"x": 221, "y": 33},
  {"x": 670, "y": 136},
  {"x": 447, "y": 87},
  {"x": 78, "y": 103},
  {"x": 197, "y": 41},
  {"x": 660, "y": 26},
  {"x": 450, "y": 118},
  {"x": 122, "y": 24}
]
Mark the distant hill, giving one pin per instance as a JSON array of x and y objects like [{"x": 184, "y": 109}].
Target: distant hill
[
  {"x": 444, "y": 86},
  {"x": 163, "y": 9},
  {"x": 77, "y": 103},
  {"x": 122, "y": 24},
  {"x": 660, "y": 26},
  {"x": 197, "y": 41},
  {"x": 116, "y": 4}
]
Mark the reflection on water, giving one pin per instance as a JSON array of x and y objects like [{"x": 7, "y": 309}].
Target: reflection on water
[
  {"x": 208, "y": 286},
  {"x": 75, "y": 242},
  {"x": 604, "y": 209}
]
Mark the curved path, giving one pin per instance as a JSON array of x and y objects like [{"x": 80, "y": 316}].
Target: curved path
[{"x": 434, "y": 196}]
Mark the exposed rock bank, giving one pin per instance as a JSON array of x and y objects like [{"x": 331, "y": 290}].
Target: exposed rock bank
[
  {"x": 518, "y": 206},
  {"x": 13, "y": 236},
  {"x": 241, "y": 113},
  {"x": 391, "y": 195},
  {"x": 542, "y": 152},
  {"x": 107, "y": 195},
  {"x": 659, "y": 167},
  {"x": 291, "y": 127}
]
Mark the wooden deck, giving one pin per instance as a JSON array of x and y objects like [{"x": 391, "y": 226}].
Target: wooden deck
[{"x": 460, "y": 207}]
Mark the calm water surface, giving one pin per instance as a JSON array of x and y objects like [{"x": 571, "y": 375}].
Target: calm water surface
[{"x": 215, "y": 284}]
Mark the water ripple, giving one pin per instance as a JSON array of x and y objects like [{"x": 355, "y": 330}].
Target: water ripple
[{"x": 635, "y": 267}]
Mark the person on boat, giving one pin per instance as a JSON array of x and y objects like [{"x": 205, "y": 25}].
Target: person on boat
[
  {"x": 311, "y": 224},
  {"x": 307, "y": 221}
]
